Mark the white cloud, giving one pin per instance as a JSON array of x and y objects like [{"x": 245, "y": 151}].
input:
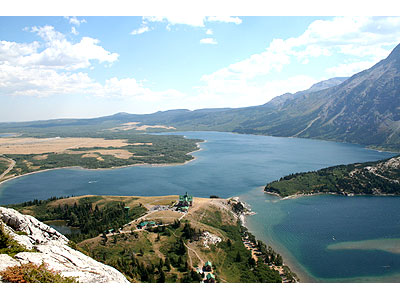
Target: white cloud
[
  {"x": 238, "y": 93},
  {"x": 59, "y": 52},
  {"x": 75, "y": 21},
  {"x": 349, "y": 69},
  {"x": 211, "y": 41},
  {"x": 236, "y": 84},
  {"x": 74, "y": 31},
  {"x": 195, "y": 21},
  {"x": 209, "y": 32},
  {"x": 41, "y": 82},
  {"x": 50, "y": 68},
  {"x": 225, "y": 19},
  {"x": 131, "y": 89},
  {"x": 140, "y": 30},
  {"x": 190, "y": 20}
]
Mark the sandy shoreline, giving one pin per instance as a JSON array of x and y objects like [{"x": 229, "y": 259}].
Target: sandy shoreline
[
  {"x": 120, "y": 167},
  {"x": 288, "y": 259},
  {"x": 319, "y": 194}
]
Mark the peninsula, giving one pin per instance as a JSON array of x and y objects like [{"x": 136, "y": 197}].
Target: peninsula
[
  {"x": 370, "y": 178},
  {"x": 164, "y": 238},
  {"x": 98, "y": 148}
]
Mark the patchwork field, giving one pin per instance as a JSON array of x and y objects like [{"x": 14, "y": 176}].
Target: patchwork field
[
  {"x": 54, "y": 145},
  {"x": 98, "y": 150}
]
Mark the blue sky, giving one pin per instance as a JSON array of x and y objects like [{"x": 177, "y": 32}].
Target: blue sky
[{"x": 57, "y": 67}]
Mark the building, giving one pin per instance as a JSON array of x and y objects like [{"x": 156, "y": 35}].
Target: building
[
  {"x": 208, "y": 266},
  {"x": 210, "y": 278},
  {"x": 142, "y": 224},
  {"x": 185, "y": 200}
]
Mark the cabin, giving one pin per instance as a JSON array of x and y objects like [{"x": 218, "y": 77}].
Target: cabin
[
  {"x": 208, "y": 266},
  {"x": 210, "y": 278}
]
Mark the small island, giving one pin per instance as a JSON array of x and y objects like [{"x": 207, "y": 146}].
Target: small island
[{"x": 370, "y": 178}]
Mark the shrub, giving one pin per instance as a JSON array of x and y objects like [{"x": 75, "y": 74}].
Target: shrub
[
  {"x": 31, "y": 273},
  {"x": 8, "y": 245}
]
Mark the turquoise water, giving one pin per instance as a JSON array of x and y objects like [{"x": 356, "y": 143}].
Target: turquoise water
[
  {"x": 232, "y": 164},
  {"x": 310, "y": 226}
]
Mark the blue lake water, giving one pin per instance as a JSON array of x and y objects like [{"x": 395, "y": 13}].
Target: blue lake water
[{"x": 230, "y": 165}]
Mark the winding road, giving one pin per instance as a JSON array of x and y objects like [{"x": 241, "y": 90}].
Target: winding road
[{"x": 11, "y": 166}]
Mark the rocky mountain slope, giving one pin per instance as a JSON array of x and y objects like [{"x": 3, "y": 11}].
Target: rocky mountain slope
[{"x": 52, "y": 249}]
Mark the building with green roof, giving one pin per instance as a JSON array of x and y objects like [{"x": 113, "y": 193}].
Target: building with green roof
[
  {"x": 210, "y": 278},
  {"x": 185, "y": 200}
]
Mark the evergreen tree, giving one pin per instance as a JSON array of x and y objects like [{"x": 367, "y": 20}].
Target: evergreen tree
[{"x": 238, "y": 257}]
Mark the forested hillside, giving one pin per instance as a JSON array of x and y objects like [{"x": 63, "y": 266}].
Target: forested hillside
[{"x": 371, "y": 178}]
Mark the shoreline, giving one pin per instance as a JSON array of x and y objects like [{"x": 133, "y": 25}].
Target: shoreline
[
  {"x": 288, "y": 259},
  {"x": 294, "y": 267},
  {"x": 296, "y": 196},
  {"x": 111, "y": 168}
]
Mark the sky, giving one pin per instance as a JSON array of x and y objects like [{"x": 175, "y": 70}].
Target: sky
[{"x": 89, "y": 66}]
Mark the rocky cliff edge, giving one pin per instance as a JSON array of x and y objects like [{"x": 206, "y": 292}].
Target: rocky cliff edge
[{"x": 52, "y": 249}]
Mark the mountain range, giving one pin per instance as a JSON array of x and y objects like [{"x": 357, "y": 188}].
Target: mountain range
[{"x": 362, "y": 109}]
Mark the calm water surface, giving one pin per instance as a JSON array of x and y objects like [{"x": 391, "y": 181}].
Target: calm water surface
[{"x": 231, "y": 164}]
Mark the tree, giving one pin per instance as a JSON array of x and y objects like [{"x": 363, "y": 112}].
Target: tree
[
  {"x": 238, "y": 257},
  {"x": 279, "y": 260},
  {"x": 168, "y": 264},
  {"x": 161, "y": 279}
]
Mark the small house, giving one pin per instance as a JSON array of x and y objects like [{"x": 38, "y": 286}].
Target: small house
[
  {"x": 210, "y": 278},
  {"x": 142, "y": 224}
]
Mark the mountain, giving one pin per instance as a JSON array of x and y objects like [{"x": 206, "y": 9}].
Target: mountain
[
  {"x": 362, "y": 109},
  {"x": 279, "y": 101}
]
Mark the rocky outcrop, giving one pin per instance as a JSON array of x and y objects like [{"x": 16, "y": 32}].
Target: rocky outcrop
[{"x": 52, "y": 249}]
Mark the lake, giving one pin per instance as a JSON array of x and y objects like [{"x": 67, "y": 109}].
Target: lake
[{"x": 305, "y": 230}]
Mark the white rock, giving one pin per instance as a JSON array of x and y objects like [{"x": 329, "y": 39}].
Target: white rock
[
  {"x": 209, "y": 238},
  {"x": 7, "y": 261},
  {"x": 53, "y": 250}
]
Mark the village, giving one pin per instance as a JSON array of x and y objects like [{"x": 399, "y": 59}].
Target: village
[{"x": 161, "y": 215}]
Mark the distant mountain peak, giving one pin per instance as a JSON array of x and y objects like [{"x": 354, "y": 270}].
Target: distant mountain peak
[
  {"x": 121, "y": 114},
  {"x": 395, "y": 54}
]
